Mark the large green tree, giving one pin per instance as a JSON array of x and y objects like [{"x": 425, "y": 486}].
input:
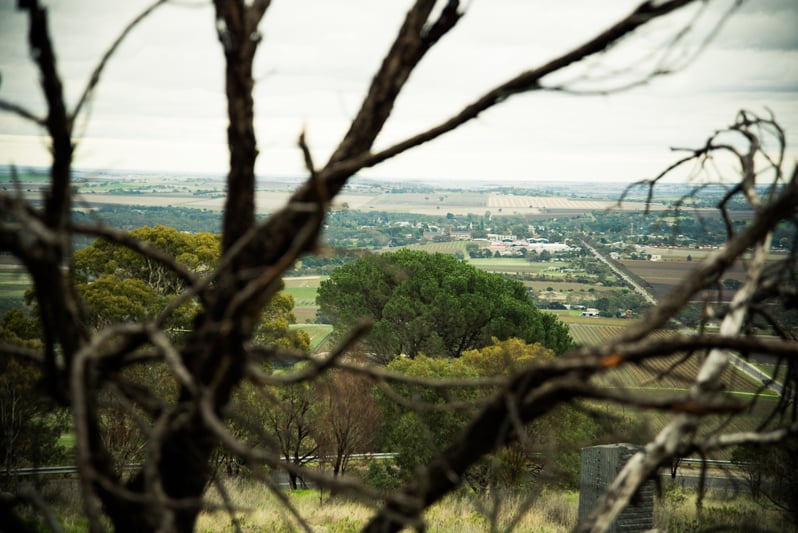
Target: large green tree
[{"x": 433, "y": 304}]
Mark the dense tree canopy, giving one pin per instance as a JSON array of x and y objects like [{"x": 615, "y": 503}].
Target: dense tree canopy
[
  {"x": 433, "y": 304},
  {"x": 118, "y": 284}
]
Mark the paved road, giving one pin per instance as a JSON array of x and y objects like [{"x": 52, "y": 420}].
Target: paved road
[{"x": 621, "y": 274}]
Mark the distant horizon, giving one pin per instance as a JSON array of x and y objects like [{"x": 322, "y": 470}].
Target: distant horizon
[{"x": 5, "y": 171}]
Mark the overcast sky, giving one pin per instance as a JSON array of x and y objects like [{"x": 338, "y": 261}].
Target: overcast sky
[{"x": 160, "y": 104}]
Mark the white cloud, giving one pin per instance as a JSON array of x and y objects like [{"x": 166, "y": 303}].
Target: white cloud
[{"x": 161, "y": 102}]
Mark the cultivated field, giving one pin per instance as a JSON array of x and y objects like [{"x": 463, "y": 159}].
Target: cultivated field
[
  {"x": 521, "y": 204},
  {"x": 669, "y": 377},
  {"x": 208, "y": 193},
  {"x": 664, "y": 275},
  {"x": 318, "y": 334},
  {"x": 303, "y": 290},
  {"x": 663, "y": 373},
  {"x": 452, "y": 247},
  {"x": 13, "y": 283}
]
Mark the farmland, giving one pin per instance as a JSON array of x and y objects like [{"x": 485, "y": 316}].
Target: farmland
[
  {"x": 13, "y": 283},
  {"x": 670, "y": 376},
  {"x": 318, "y": 334},
  {"x": 451, "y": 247},
  {"x": 662, "y": 276},
  {"x": 550, "y": 282},
  {"x": 303, "y": 290},
  {"x": 662, "y": 373},
  {"x": 207, "y": 192},
  {"x": 560, "y": 279}
]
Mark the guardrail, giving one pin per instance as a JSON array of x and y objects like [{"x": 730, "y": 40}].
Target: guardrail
[
  {"x": 44, "y": 471},
  {"x": 40, "y": 471},
  {"x": 709, "y": 462}
]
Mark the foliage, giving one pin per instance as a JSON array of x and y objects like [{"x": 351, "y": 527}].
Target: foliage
[
  {"x": 121, "y": 424},
  {"x": 130, "y": 217},
  {"x": 550, "y": 446},
  {"x": 416, "y": 435},
  {"x": 198, "y": 252},
  {"x": 433, "y": 304},
  {"x": 120, "y": 285},
  {"x": 274, "y": 329},
  {"x": 31, "y": 423},
  {"x": 504, "y": 357},
  {"x": 771, "y": 474}
]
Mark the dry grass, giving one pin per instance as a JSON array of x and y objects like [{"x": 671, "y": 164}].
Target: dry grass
[
  {"x": 545, "y": 512},
  {"x": 548, "y": 511},
  {"x": 261, "y": 511},
  {"x": 676, "y": 512}
]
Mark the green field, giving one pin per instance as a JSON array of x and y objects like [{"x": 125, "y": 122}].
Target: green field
[
  {"x": 14, "y": 281},
  {"x": 566, "y": 286},
  {"x": 303, "y": 296},
  {"x": 507, "y": 265},
  {"x": 318, "y": 333},
  {"x": 303, "y": 290}
]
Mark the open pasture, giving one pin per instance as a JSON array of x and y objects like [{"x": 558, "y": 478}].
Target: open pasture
[
  {"x": 305, "y": 315},
  {"x": 474, "y": 200},
  {"x": 208, "y": 193},
  {"x": 303, "y": 289},
  {"x": 676, "y": 253},
  {"x": 567, "y": 287},
  {"x": 575, "y": 317},
  {"x": 507, "y": 265},
  {"x": 423, "y": 203}
]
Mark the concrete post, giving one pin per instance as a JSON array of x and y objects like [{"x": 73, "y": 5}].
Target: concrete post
[{"x": 600, "y": 465}]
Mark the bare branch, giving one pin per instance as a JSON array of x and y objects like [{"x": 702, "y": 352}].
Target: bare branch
[{"x": 22, "y": 112}]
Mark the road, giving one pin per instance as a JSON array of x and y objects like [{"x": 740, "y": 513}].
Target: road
[{"x": 621, "y": 274}]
